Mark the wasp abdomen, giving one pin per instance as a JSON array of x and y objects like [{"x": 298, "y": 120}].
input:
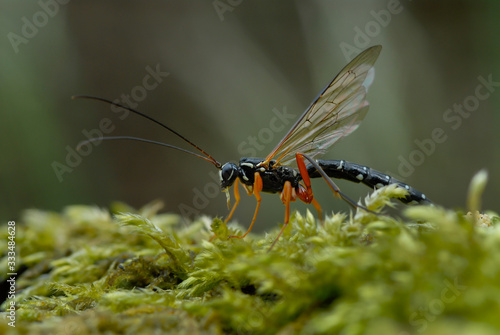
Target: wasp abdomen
[{"x": 357, "y": 173}]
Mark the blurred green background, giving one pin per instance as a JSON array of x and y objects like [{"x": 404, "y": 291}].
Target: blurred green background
[{"x": 229, "y": 65}]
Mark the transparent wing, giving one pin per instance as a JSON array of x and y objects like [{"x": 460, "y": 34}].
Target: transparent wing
[{"x": 335, "y": 113}]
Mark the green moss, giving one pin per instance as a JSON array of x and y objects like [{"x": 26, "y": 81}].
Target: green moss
[{"x": 88, "y": 272}]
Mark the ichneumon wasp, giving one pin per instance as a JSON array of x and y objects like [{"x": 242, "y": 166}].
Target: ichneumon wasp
[{"x": 336, "y": 112}]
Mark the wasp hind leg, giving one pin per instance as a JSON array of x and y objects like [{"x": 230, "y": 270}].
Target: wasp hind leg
[
  {"x": 305, "y": 192},
  {"x": 331, "y": 184}
]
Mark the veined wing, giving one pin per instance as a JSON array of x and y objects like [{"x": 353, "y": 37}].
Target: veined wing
[{"x": 335, "y": 113}]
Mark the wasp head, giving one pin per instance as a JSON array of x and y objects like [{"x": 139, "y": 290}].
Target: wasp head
[{"x": 228, "y": 174}]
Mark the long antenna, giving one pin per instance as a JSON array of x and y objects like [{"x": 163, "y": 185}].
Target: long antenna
[
  {"x": 138, "y": 139},
  {"x": 207, "y": 156}
]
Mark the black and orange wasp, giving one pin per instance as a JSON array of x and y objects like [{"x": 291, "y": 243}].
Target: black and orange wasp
[{"x": 335, "y": 113}]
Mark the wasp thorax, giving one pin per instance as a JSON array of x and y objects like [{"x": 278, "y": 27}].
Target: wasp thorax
[{"x": 228, "y": 174}]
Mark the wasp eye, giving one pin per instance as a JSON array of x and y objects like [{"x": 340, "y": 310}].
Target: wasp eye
[
  {"x": 227, "y": 171},
  {"x": 228, "y": 174}
]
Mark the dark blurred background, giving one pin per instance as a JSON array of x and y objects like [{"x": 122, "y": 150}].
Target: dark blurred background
[{"x": 229, "y": 65}]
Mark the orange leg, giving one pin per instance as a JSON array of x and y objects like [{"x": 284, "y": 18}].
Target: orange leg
[
  {"x": 236, "y": 200},
  {"x": 286, "y": 197},
  {"x": 306, "y": 195},
  {"x": 257, "y": 187},
  {"x": 319, "y": 210}
]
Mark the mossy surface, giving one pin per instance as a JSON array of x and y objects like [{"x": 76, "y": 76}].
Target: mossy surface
[{"x": 86, "y": 271}]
